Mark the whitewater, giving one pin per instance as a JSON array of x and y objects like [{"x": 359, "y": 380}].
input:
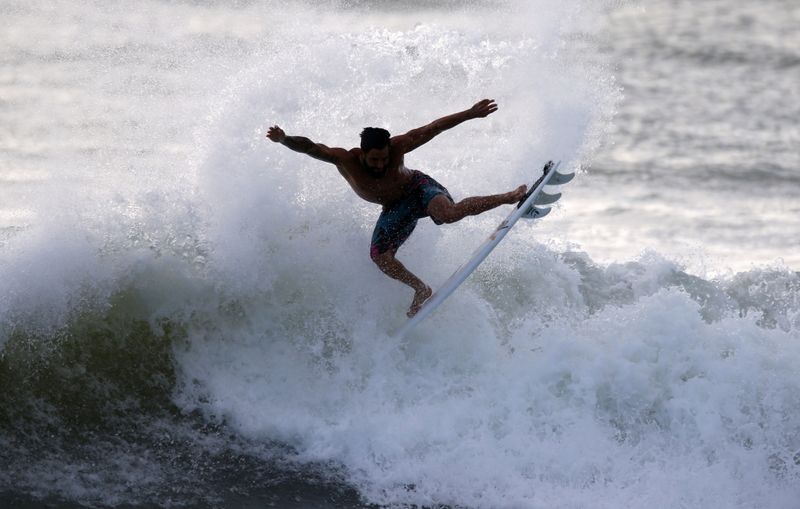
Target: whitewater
[{"x": 189, "y": 315}]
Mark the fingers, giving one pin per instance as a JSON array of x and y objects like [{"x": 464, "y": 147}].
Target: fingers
[
  {"x": 485, "y": 107},
  {"x": 275, "y": 133}
]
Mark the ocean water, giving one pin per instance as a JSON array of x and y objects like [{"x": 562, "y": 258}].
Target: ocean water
[{"x": 189, "y": 316}]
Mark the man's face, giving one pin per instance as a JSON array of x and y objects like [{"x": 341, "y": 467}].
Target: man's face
[{"x": 376, "y": 160}]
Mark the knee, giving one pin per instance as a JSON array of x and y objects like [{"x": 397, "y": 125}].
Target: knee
[
  {"x": 443, "y": 210},
  {"x": 452, "y": 217},
  {"x": 380, "y": 259},
  {"x": 446, "y": 215}
]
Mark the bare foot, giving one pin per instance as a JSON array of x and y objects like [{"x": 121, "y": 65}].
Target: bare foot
[
  {"x": 420, "y": 297},
  {"x": 517, "y": 194}
]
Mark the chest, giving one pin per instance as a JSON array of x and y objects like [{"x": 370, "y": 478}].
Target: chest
[{"x": 379, "y": 189}]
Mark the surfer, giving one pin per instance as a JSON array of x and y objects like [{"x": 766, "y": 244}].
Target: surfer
[{"x": 377, "y": 173}]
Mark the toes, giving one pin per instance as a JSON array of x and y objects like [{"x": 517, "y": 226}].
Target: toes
[{"x": 419, "y": 299}]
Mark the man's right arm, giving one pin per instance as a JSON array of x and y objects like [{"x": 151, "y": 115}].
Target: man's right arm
[{"x": 306, "y": 146}]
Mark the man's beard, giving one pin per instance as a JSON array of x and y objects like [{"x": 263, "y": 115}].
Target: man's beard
[{"x": 375, "y": 172}]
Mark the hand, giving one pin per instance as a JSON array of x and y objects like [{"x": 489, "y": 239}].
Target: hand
[
  {"x": 483, "y": 108},
  {"x": 276, "y": 134}
]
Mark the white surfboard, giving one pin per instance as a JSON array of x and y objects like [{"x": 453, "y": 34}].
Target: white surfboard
[{"x": 526, "y": 208}]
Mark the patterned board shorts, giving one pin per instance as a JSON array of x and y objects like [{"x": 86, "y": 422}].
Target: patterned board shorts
[{"x": 397, "y": 221}]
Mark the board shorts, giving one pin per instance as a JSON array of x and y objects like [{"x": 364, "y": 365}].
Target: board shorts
[{"x": 398, "y": 220}]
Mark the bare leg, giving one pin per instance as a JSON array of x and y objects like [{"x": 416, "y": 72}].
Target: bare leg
[
  {"x": 396, "y": 270},
  {"x": 445, "y": 211}
]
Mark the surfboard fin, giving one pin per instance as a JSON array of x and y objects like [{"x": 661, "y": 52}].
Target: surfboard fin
[
  {"x": 560, "y": 178},
  {"x": 535, "y": 213},
  {"x": 546, "y": 199}
]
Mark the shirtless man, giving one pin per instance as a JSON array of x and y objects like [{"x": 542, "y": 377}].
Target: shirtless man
[{"x": 377, "y": 173}]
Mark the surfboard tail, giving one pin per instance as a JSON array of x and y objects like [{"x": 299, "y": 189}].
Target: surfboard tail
[
  {"x": 548, "y": 167},
  {"x": 551, "y": 177}
]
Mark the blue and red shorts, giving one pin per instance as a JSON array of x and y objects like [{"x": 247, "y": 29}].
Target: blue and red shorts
[{"x": 398, "y": 220}]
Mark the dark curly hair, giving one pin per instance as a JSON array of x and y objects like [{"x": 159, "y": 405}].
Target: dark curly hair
[{"x": 374, "y": 137}]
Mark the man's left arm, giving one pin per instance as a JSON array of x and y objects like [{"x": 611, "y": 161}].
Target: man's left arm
[{"x": 421, "y": 135}]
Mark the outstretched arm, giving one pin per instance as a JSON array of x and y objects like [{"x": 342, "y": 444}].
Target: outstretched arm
[
  {"x": 421, "y": 135},
  {"x": 306, "y": 146}
]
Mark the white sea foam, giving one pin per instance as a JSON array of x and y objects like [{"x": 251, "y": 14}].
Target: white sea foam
[{"x": 638, "y": 402}]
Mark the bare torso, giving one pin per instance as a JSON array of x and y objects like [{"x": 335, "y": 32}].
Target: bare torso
[{"x": 384, "y": 189}]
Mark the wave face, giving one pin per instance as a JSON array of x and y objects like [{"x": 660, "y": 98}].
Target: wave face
[{"x": 189, "y": 314}]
